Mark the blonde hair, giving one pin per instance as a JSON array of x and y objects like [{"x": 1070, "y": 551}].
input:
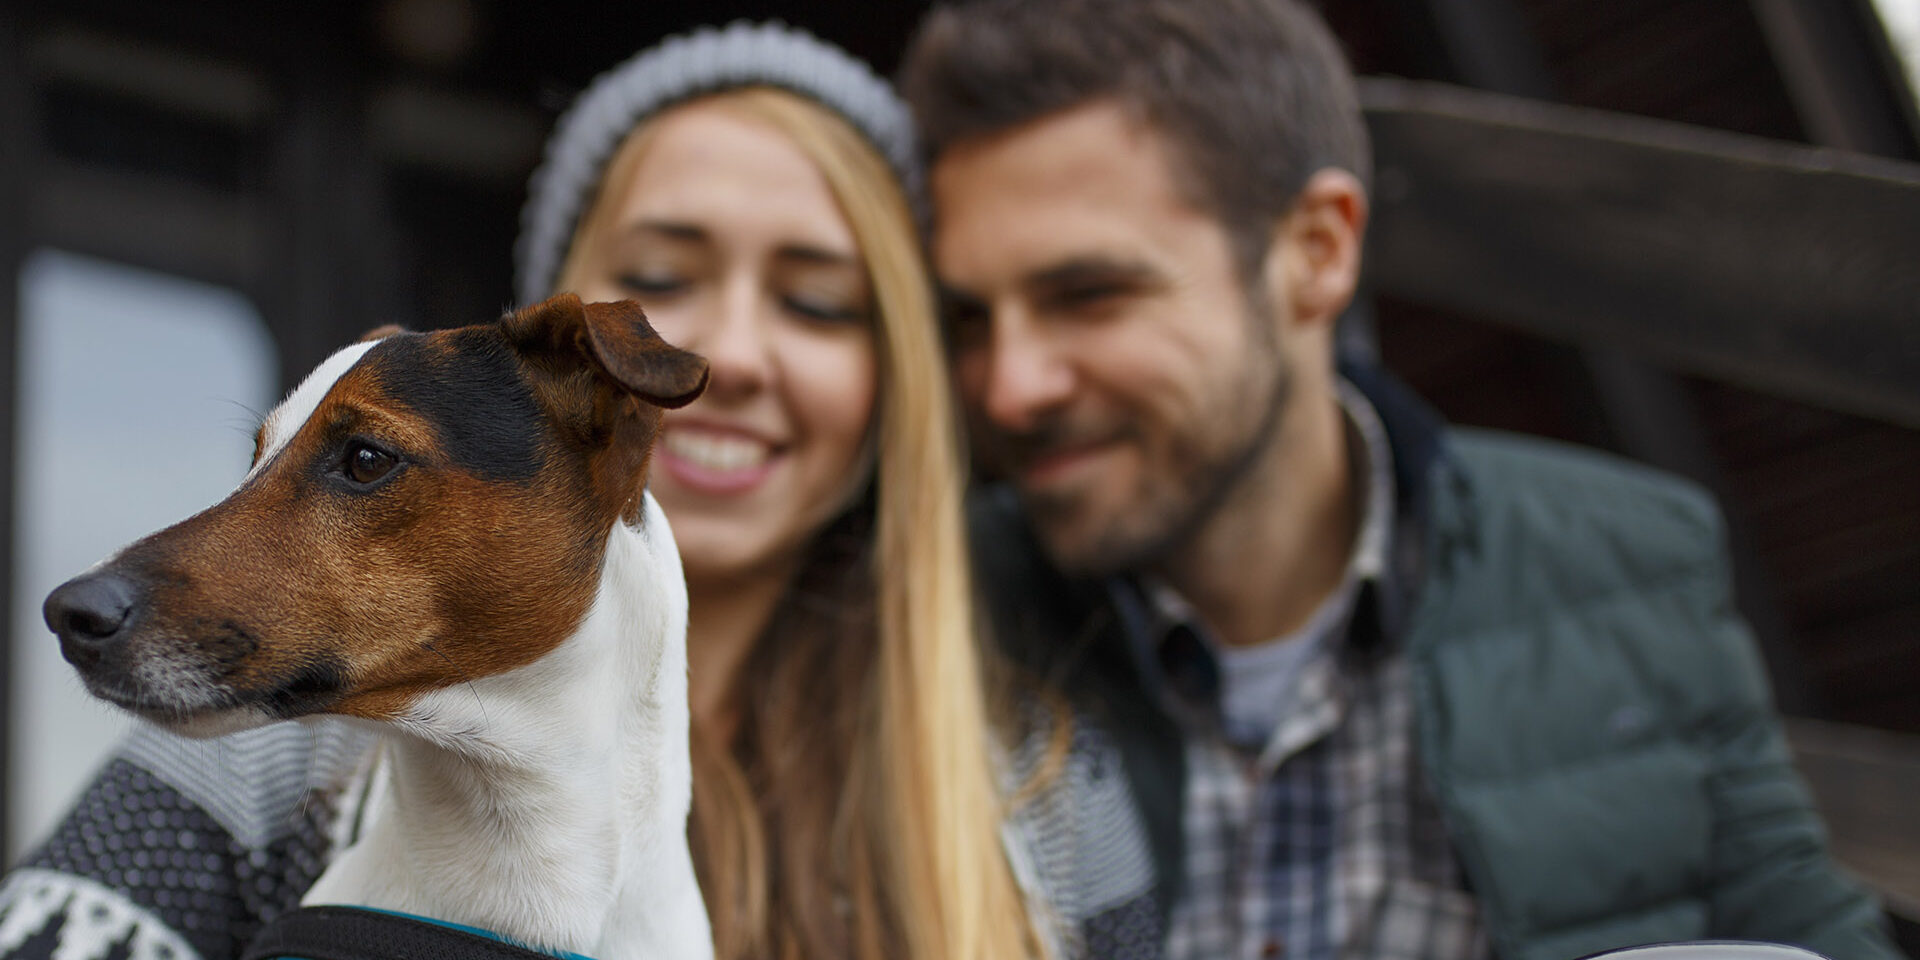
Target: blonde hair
[{"x": 888, "y": 783}]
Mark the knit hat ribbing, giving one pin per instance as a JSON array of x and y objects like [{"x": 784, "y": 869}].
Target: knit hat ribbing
[{"x": 680, "y": 68}]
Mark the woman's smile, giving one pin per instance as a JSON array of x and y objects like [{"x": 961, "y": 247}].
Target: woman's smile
[{"x": 716, "y": 461}]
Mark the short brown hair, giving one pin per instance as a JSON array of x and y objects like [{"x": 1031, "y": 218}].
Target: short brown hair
[{"x": 1252, "y": 96}]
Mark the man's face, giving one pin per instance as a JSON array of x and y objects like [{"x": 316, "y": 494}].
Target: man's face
[{"x": 1112, "y": 363}]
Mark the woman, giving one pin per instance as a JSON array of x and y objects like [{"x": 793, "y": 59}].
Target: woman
[{"x": 752, "y": 188}]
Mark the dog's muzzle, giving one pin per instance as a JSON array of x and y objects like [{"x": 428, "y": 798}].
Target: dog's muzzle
[
  {"x": 90, "y": 614},
  {"x": 107, "y": 627}
]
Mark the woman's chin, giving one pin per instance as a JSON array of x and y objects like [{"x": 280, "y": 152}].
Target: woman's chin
[{"x": 720, "y": 552}]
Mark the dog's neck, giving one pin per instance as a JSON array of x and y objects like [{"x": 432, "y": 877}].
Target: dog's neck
[{"x": 549, "y": 803}]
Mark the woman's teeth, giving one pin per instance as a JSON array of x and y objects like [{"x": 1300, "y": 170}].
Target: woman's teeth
[{"x": 718, "y": 452}]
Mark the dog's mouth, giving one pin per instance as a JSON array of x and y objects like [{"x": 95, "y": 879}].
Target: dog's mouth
[{"x": 170, "y": 693}]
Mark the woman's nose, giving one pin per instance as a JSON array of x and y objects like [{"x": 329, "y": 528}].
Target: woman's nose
[{"x": 738, "y": 345}]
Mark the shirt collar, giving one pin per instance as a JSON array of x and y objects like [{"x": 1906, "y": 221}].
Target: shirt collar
[
  {"x": 1172, "y": 648},
  {"x": 1373, "y": 456}
]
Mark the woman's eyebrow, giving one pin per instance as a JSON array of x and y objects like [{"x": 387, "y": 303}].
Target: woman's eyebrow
[
  {"x": 809, "y": 254},
  {"x": 670, "y": 229},
  {"x": 802, "y": 253}
]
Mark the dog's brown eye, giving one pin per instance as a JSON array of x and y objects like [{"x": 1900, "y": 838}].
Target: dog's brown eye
[{"x": 366, "y": 464}]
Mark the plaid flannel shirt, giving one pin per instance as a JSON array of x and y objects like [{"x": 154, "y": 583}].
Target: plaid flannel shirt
[{"x": 1325, "y": 841}]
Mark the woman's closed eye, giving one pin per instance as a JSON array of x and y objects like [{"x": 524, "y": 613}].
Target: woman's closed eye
[
  {"x": 820, "y": 285},
  {"x": 825, "y": 309},
  {"x": 651, "y": 285},
  {"x": 829, "y": 292}
]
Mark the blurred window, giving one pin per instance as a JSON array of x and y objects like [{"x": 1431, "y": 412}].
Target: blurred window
[
  {"x": 1902, "y": 20},
  {"x": 138, "y": 396}
]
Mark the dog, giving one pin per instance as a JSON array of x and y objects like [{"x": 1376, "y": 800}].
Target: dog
[{"x": 448, "y": 535}]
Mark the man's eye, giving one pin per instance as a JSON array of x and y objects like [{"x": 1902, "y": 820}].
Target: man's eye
[
  {"x": 366, "y": 464},
  {"x": 967, "y": 330},
  {"x": 965, "y": 320},
  {"x": 1085, "y": 298}
]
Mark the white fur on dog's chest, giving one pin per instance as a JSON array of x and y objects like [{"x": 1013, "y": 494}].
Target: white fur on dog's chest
[{"x": 549, "y": 803}]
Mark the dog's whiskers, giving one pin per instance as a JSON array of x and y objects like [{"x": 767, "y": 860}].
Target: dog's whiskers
[
  {"x": 256, "y": 415},
  {"x": 465, "y": 678},
  {"x": 313, "y": 758}
]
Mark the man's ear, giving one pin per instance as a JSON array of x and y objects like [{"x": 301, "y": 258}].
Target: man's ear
[
  {"x": 1317, "y": 246},
  {"x": 614, "y": 340},
  {"x": 381, "y": 332}
]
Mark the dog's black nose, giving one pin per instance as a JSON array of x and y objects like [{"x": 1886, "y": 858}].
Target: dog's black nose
[{"x": 88, "y": 613}]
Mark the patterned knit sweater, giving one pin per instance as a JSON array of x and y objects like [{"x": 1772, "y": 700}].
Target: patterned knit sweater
[{"x": 181, "y": 849}]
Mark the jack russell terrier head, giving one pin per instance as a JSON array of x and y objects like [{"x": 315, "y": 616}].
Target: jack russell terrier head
[{"x": 425, "y": 509}]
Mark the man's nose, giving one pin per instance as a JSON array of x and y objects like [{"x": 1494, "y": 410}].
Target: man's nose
[{"x": 1027, "y": 375}]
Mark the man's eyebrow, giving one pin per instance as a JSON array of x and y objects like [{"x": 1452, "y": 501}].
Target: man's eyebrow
[
  {"x": 1075, "y": 273},
  {"x": 1090, "y": 271}
]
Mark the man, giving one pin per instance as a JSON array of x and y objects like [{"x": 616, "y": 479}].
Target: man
[{"x": 1380, "y": 688}]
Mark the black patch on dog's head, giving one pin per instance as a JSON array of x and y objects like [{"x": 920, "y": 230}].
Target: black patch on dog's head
[{"x": 486, "y": 418}]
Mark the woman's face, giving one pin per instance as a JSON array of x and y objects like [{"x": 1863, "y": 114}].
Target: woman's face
[{"x": 729, "y": 237}]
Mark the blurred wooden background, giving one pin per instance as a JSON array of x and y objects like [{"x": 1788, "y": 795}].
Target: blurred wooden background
[{"x": 1682, "y": 230}]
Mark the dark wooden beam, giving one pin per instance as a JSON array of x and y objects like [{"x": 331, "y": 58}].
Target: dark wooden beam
[
  {"x": 1490, "y": 47},
  {"x": 1782, "y": 268},
  {"x": 1865, "y": 782},
  {"x": 1636, "y": 407},
  {"x": 157, "y": 222},
  {"x": 17, "y": 132},
  {"x": 332, "y": 271}
]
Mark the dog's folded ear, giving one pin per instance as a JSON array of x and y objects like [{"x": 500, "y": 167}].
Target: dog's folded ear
[
  {"x": 632, "y": 353},
  {"x": 616, "y": 339},
  {"x": 381, "y": 332}
]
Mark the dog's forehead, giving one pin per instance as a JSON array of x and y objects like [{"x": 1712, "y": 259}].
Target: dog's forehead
[
  {"x": 286, "y": 419},
  {"x": 463, "y": 387}
]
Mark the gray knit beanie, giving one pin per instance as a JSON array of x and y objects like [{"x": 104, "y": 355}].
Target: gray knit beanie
[{"x": 677, "y": 69}]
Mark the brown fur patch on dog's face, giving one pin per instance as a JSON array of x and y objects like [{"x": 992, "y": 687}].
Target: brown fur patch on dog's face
[{"x": 440, "y": 516}]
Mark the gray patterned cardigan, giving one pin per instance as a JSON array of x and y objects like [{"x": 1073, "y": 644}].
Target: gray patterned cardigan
[{"x": 180, "y": 849}]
